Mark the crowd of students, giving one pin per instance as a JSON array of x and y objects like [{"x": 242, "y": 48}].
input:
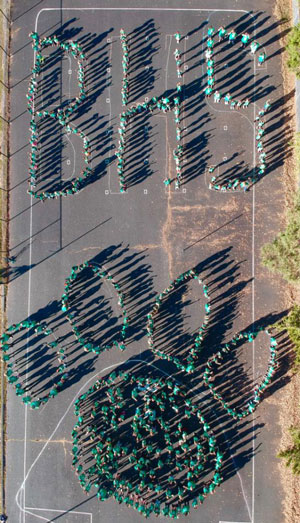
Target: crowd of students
[
  {"x": 162, "y": 411},
  {"x": 189, "y": 365},
  {"x": 61, "y": 115},
  {"x": 162, "y": 104},
  {"x": 155, "y": 463},
  {"x": 238, "y": 182},
  {"x": 210, "y": 62},
  {"x": 216, "y": 362},
  {"x": 259, "y": 170},
  {"x": 125, "y": 67},
  {"x": 14, "y": 377},
  {"x": 105, "y": 275}
]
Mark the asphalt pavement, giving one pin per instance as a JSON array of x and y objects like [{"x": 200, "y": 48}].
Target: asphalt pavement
[{"x": 146, "y": 237}]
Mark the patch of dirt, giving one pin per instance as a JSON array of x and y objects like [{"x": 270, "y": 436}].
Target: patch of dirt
[{"x": 289, "y": 399}]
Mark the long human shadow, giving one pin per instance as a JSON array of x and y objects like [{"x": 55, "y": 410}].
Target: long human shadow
[
  {"x": 232, "y": 74},
  {"x": 98, "y": 81},
  {"x": 142, "y": 47},
  {"x": 12, "y": 272},
  {"x": 98, "y": 318},
  {"x": 138, "y": 150},
  {"x": 37, "y": 363},
  {"x": 277, "y": 144},
  {"x": 173, "y": 333},
  {"x": 95, "y": 303},
  {"x": 278, "y": 141}
]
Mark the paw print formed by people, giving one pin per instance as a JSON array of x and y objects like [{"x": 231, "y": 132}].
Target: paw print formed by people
[{"x": 142, "y": 438}]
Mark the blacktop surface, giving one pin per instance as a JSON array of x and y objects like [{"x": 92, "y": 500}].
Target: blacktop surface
[{"x": 146, "y": 237}]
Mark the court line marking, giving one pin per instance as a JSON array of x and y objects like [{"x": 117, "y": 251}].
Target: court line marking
[
  {"x": 109, "y": 97},
  {"x": 110, "y": 116},
  {"x": 251, "y": 513},
  {"x": 22, "y": 488},
  {"x": 143, "y": 9},
  {"x": 58, "y": 511},
  {"x": 74, "y": 156},
  {"x": 168, "y": 58}
]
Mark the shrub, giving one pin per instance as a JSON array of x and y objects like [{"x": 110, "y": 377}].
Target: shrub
[
  {"x": 292, "y": 455},
  {"x": 282, "y": 255},
  {"x": 293, "y": 50},
  {"x": 291, "y": 324}
]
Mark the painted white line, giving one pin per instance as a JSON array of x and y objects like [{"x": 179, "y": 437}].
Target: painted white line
[
  {"x": 234, "y": 521},
  {"x": 168, "y": 57},
  {"x": 253, "y": 303},
  {"x": 89, "y": 514},
  {"x": 109, "y": 98},
  {"x": 27, "y": 344},
  {"x": 74, "y": 156},
  {"x": 192, "y": 9},
  {"x": 21, "y": 490},
  {"x": 20, "y": 493},
  {"x": 35, "y": 515},
  {"x": 250, "y": 510}
]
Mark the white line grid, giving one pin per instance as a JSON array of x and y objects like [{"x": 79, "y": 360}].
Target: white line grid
[{"x": 20, "y": 497}]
